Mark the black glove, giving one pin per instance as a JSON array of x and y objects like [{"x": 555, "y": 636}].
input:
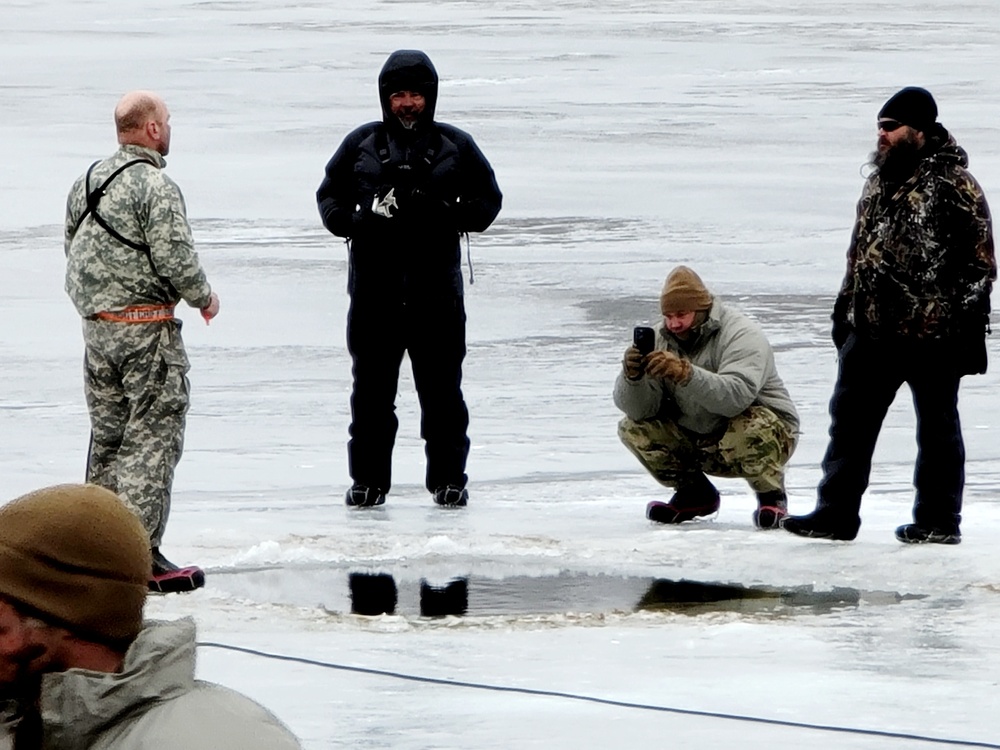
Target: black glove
[
  {"x": 839, "y": 333},
  {"x": 841, "y": 328},
  {"x": 428, "y": 206}
]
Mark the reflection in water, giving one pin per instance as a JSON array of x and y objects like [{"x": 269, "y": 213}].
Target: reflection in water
[
  {"x": 376, "y": 594},
  {"x": 694, "y": 596},
  {"x": 372, "y": 593},
  {"x": 440, "y": 601}
]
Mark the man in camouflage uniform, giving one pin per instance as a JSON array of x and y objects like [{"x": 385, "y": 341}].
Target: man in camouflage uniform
[
  {"x": 913, "y": 309},
  {"x": 707, "y": 400},
  {"x": 129, "y": 260}
]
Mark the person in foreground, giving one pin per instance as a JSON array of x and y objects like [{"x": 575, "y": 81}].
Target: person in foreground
[
  {"x": 402, "y": 191},
  {"x": 78, "y": 667},
  {"x": 913, "y": 308},
  {"x": 706, "y": 400},
  {"x": 129, "y": 260}
]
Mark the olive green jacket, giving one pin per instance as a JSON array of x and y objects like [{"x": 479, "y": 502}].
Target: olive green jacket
[{"x": 733, "y": 369}]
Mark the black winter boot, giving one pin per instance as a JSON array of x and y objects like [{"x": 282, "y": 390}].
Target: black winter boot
[
  {"x": 451, "y": 496},
  {"x": 822, "y": 524},
  {"x": 363, "y": 496},
  {"x": 911, "y": 533},
  {"x": 693, "y": 499},
  {"x": 771, "y": 508},
  {"x": 167, "y": 578}
]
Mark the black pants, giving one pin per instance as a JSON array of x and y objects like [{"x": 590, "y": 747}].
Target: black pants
[
  {"x": 433, "y": 333},
  {"x": 871, "y": 373}
]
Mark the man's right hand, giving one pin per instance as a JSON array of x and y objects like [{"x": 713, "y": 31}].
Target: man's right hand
[{"x": 632, "y": 363}]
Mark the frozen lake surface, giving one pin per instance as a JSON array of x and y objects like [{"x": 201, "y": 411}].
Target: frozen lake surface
[{"x": 627, "y": 137}]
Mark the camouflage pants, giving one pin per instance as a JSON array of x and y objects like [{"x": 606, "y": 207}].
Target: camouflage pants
[
  {"x": 756, "y": 446},
  {"x": 137, "y": 393}
]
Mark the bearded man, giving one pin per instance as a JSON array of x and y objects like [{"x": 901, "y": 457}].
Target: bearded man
[{"x": 913, "y": 308}]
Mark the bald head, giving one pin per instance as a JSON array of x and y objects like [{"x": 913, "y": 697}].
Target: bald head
[{"x": 142, "y": 119}]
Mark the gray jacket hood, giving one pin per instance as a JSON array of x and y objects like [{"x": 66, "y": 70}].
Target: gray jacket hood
[{"x": 155, "y": 702}]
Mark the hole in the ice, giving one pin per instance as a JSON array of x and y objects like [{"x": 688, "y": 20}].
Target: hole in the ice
[{"x": 407, "y": 594}]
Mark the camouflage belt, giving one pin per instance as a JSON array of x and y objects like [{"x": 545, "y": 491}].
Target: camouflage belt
[{"x": 136, "y": 314}]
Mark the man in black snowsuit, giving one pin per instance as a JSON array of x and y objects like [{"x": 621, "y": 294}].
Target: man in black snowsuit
[
  {"x": 403, "y": 191},
  {"x": 913, "y": 309}
]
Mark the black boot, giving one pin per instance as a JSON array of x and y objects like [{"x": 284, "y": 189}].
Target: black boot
[
  {"x": 771, "y": 508},
  {"x": 822, "y": 524},
  {"x": 912, "y": 533},
  {"x": 363, "y": 496},
  {"x": 451, "y": 496},
  {"x": 695, "y": 498},
  {"x": 168, "y": 578}
]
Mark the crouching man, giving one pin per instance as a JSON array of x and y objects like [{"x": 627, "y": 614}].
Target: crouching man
[
  {"x": 706, "y": 400},
  {"x": 78, "y": 666}
]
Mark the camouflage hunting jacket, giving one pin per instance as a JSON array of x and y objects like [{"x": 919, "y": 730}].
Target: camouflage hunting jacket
[
  {"x": 146, "y": 207},
  {"x": 733, "y": 370},
  {"x": 921, "y": 262}
]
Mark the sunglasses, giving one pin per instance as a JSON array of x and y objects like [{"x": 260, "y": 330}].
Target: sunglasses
[{"x": 889, "y": 125}]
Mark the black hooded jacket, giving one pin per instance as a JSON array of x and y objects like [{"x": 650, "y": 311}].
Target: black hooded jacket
[{"x": 442, "y": 185}]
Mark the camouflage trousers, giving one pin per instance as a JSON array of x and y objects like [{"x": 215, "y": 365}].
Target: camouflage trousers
[
  {"x": 137, "y": 393},
  {"x": 756, "y": 446}
]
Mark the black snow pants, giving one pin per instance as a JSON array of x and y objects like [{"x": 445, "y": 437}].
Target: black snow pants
[
  {"x": 870, "y": 374},
  {"x": 432, "y": 332}
]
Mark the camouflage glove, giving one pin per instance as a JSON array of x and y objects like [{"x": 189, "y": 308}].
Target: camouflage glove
[
  {"x": 632, "y": 363},
  {"x": 668, "y": 366}
]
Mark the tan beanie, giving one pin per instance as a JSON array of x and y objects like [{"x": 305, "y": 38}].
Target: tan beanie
[
  {"x": 76, "y": 555},
  {"x": 684, "y": 292}
]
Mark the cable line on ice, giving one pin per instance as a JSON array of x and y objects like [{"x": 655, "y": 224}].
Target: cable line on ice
[{"x": 600, "y": 701}]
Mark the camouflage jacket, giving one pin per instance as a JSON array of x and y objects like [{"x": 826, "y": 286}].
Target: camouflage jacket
[
  {"x": 733, "y": 370},
  {"x": 921, "y": 262},
  {"x": 145, "y": 206}
]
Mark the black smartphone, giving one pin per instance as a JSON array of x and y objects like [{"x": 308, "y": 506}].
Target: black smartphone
[{"x": 644, "y": 339}]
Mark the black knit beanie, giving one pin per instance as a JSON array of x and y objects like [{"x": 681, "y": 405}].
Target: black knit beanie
[{"x": 911, "y": 106}]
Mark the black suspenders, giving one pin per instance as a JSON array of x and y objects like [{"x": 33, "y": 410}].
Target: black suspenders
[{"x": 94, "y": 197}]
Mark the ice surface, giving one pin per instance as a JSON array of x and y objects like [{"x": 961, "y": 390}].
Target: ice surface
[{"x": 628, "y": 137}]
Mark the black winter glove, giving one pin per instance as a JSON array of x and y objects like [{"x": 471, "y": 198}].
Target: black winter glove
[
  {"x": 841, "y": 328},
  {"x": 428, "y": 206},
  {"x": 840, "y": 331}
]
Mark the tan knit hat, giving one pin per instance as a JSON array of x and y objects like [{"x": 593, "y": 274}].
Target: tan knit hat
[
  {"x": 684, "y": 292},
  {"x": 78, "y": 557}
]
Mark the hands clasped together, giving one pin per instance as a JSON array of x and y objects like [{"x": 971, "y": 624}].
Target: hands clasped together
[{"x": 659, "y": 364}]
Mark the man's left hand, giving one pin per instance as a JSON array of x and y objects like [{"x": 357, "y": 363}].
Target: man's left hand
[
  {"x": 668, "y": 366},
  {"x": 210, "y": 310},
  {"x": 428, "y": 204}
]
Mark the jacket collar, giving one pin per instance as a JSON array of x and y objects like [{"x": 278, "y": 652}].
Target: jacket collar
[
  {"x": 701, "y": 333},
  {"x": 78, "y": 705},
  {"x": 142, "y": 152}
]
